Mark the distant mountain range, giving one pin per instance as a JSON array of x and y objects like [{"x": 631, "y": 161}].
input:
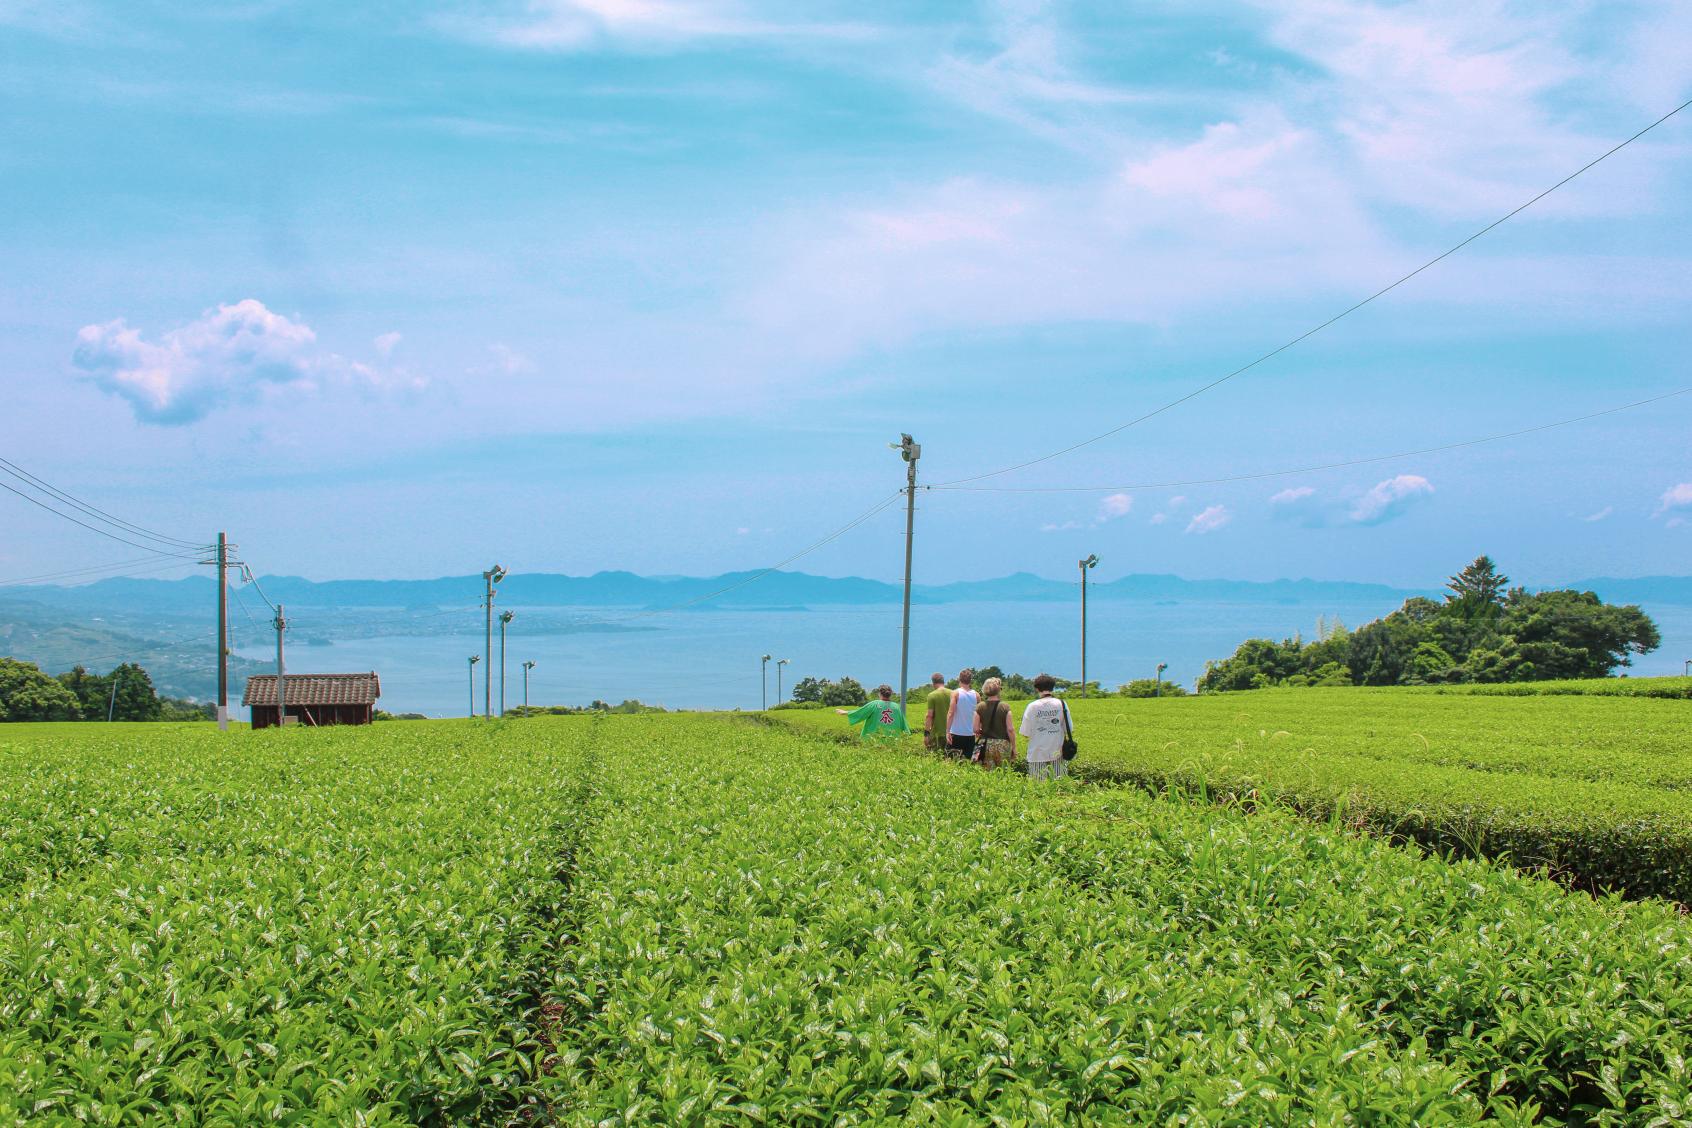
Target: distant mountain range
[{"x": 745, "y": 591}]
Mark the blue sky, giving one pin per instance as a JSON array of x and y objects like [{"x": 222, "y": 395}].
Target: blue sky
[{"x": 402, "y": 289}]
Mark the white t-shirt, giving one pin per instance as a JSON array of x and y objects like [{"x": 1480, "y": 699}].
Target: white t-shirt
[
  {"x": 1042, "y": 724},
  {"x": 963, "y": 715}
]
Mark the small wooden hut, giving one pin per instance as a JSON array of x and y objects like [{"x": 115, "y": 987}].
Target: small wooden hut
[{"x": 315, "y": 699}]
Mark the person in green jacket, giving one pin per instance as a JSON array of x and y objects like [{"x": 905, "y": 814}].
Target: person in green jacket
[{"x": 881, "y": 718}]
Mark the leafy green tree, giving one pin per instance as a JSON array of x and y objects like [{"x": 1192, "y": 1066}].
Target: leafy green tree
[
  {"x": 1574, "y": 634},
  {"x": 1149, "y": 687},
  {"x": 1478, "y": 590},
  {"x": 808, "y": 691},
  {"x": 27, "y": 694},
  {"x": 847, "y": 691},
  {"x": 135, "y": 699},
  {"x": 1429, "y": 664}
]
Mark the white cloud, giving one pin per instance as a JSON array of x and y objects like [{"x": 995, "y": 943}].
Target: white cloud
[
  {"x": 1389, "y": 499},
  {"x": 386, "y": 343},
  {"x": 1060, "y": 528},
  {"x": 1327, "y": 182},
  {"x": 509, "y": 361},
  {"x": 1177, "y": 501},
  {"x": 1600, "y": 515},
  {"x": 229, "y": 355},
  {"x": 1159, "y": 518},
  {"x": 1381, "y": 503},
  {"x": 1675, "y": 497},
  {"x": 1114, "y": 506},
  {"x": 740, "y": 532},
  {"x": 1209, "y": 520},
  {"x": 574, "y": 25}
]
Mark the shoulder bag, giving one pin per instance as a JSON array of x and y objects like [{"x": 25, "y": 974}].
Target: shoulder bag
[{"x": 1070, "y": 748}]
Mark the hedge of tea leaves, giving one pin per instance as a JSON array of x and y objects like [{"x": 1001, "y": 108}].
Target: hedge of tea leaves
[
  {"x": 1597, "y": 788},
  {"x": 330, "y": 926},
  {"x": 783, "y": 930}
]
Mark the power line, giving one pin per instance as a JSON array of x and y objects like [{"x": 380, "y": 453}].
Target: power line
[
  {"x": 1324, "y": 466},
  {"x": 91, "y": 528},
  {"x": 31, "y": 580},
  {"x": 89, "y": 570},
  {"x": 1196, "y": 392},
  {"x": 53, "y": 491}
]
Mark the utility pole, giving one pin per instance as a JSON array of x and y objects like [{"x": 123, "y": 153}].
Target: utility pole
[
  {"x": 779, "y": 664},
  {"x": 1087, "y": 564},
  {"x": 223, "y": 632},
  {"x": 910, "y": 451},
  {"x": 111, "y": 706},
  {"x": 281, "y": 671},
  {"x": 764, "y": 680},
  {"x": 1157, "y": 689},
  {"x": 504, "y": 618},
  {"x": 527, "y": 666},
  {"x": 491, "y": 577},
  {"x": 474, "y": 658}
]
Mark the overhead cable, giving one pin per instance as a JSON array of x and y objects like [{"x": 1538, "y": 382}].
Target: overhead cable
[
  {"x": 93, "y": 528},
  {"x": 92, "y": 571},
  {"x": 129, "y": 527},
  {"x": 1199, "y": 391},
  {"x": 1323, "y": 466}
]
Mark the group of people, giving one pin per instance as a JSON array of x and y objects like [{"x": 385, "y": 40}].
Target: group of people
[{"x": 978, "y": 727}]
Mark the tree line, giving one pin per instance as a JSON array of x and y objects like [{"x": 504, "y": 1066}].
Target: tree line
[
  {"x": 811, "y": 693},
  {"x": 124, "y": 694},
  {"x": 1482, "y": 631}
]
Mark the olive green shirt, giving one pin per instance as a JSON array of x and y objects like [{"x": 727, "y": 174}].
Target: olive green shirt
[{"x": 939, "y": 704}]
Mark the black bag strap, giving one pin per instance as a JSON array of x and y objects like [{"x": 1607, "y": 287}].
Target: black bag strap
[{"x": 1067, "y": 731}]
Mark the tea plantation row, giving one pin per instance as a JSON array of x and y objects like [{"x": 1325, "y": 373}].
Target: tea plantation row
[
  {"x": 691, "y": 920},
  {"x": 339, "y": 926},
  {"x": 791, "y": 931},
  {"x": 1596, "y": 787}
]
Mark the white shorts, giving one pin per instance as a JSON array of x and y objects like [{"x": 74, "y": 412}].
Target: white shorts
[{"x": 1048, "y": 769}]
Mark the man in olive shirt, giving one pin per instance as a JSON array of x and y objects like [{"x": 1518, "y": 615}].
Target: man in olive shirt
[{"x": 939, "y": 705}]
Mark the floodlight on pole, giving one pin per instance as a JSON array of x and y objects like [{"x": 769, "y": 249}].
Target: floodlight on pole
[
  {"x": 1157, "y": 689},
  {"x": 1087, "y": 564},
  {"x": 504, "y": 618},
  {"x": 779, "y": 664},
  {"x": 474, "y": 658},
  {"x": 527, "y": 666},
  {"x": 764, "y": 679},
  {"x": 910, "y": 450},
  {"x": 489, "y": 578}
]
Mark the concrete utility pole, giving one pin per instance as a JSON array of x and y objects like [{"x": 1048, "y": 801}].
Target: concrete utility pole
[
  {"x": 764, "y": 680},
  {"x": 474, "y": 658},
  {"x": 779, "y": 664},
  {"x": 1087, "y": 564},
  {"x": 527, "y": 666},
  {"x": 504, "y": 618},
  {"x": 111, "y": 706},
  {"x": 910, "y": 451},
  {"x": 491, "y": 577},
  {"x": 223, "y": 632},
  {"x": 281, "y": 671}
]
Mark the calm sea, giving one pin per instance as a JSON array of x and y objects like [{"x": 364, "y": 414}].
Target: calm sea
[{"x": 709, "y": 659}]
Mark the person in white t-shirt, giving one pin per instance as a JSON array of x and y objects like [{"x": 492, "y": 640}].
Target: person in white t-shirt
[
  {"x": 960, "y": 718},
  {"x": 1044, "y": 724}
]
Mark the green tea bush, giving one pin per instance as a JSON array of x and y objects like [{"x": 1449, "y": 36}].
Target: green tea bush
[
  {"x": 774, "y": 930},
  {"x": 1595, "y": 788},
  {"x": 316, "y": 926}
]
